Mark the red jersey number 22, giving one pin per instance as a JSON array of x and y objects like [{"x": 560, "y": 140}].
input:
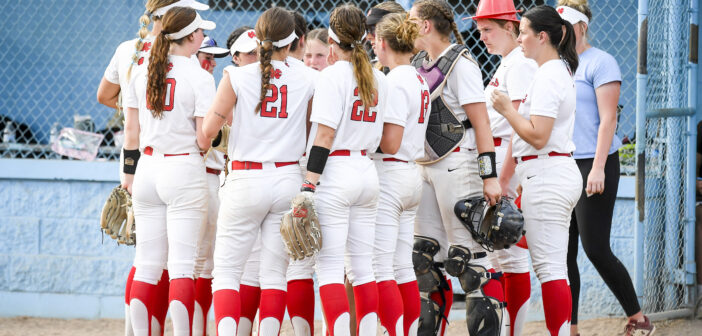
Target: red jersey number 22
[{"x": 362, "y": 113}]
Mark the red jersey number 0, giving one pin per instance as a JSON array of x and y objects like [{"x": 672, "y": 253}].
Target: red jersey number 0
[
  {"x": 275, "y": 93},
  {"x": 362, "y": 113},
  {"x": 168, "y": 99}
]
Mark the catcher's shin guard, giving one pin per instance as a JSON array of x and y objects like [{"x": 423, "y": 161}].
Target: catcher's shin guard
[
  {"x": 484, "y": 314},
  {"x": 429, "y": 280}
]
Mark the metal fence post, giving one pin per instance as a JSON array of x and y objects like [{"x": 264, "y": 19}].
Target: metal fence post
[
  {"x": 691, "y": 173},
  {"x": 641, "y": 81}
]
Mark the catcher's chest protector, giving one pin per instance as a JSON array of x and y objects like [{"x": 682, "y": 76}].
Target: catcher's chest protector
[{"x": 444, "y": 130}]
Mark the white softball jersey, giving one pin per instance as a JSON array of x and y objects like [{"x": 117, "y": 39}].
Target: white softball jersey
[
  {"x": 408, "y": 105},
  {"x": 190, "y": 91},
  {"x": 512, "y": 77},
  {"x": 464, "y": 85},
  {"x": 551, "y": 94},
  {"x": 116, "y": 72},
  {"x": 337, "y": 104},
  {"x": 296, "y": 63},
  {"x": 276, "y": 133}
]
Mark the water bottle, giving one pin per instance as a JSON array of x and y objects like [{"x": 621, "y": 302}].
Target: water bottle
[
  {"x": 8, "y": 135},
  {"x": 55, "y": 129}
]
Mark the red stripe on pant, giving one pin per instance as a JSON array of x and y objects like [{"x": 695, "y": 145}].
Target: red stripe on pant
[
  {"x": 250, "y": 299},
  {"x": 494, "y": 289},
  {"x": 517, "y": 293},
  {"x": 272, "y": 305},
  {"x": 366, "y": 299},
  {"x": 128, "y": 287},
  {"x": 557, "y": 304},
  {"x": 448, "y": 294},
  {"x": 203, "y": 297},
  {"x": 183, "y": 291},
  {"x": 144, "y": 292},
  {"x": 226, "y": 304},
  {"x": 411, "y": 305},
  {"x": 334, "y": 304},
  {"x": 390, "y": 308},
  {"x": 300, "y": 301},
  {"x": 161, "y": 300}
]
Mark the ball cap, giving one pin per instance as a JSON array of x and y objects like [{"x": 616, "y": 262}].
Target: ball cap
[
  {"x": 496, "y": 9},
  {"x": 246, "y": 42},
  {"x": 209, "y": 46}
]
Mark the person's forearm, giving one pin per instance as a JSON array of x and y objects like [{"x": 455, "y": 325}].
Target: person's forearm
[{"x": 605, "y": 134}]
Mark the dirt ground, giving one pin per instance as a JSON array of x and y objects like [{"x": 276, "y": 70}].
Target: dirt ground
[{"x": 76, "y": 327}]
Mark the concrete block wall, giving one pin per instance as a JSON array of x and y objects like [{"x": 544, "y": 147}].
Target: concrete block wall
[{"x": 54, "y": 261}]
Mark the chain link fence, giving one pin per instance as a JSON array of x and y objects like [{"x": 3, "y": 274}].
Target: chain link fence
[
  {"x": 665, "y": 286},
  {"x": 56, "y": 52}
]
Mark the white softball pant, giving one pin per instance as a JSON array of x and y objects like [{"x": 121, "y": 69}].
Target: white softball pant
[
  {"x": 551, "y": 188},
  {"x": 205, "y": 250},
  {"x": 446, "y": 182},
  {"x": 170, "y": 199},
  {"x": 514, "y": 259},
  {"x": 400, "y": 190},
  {"x": 254, "y": 200},
  {"x": 346, "y": 202}
]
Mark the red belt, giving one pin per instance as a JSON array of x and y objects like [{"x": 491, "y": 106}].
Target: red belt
[
  {"x": 345, "y": 152},
  {"x": 457, "y": 149},
  {"x": 497, "y": 142},
  {"x": 394, "y": 160},
  {"x": 248, "y": 165},
  {"x": 150, "y": 151},
  {"x": 531, "y": 157},
  {"x": 212, "y": 171}
]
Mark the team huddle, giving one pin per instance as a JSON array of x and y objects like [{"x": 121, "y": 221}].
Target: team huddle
[{"x": 408, "y": 168}]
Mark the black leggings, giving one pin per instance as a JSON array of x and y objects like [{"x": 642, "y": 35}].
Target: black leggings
[{"x": 592, "y": 220}]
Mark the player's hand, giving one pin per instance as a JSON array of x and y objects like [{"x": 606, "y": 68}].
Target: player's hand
[
  {"x": 500, "y": 102},
  {"x": 504, "y": 184},
  {"x": 128, "y": 181},
  {"x": 595, "y": 181},
  {"x": 492, "y": 190}
]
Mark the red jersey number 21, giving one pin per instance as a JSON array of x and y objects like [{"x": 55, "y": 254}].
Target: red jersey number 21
[
  {"x": 362, "y": 113},
  {"x": 274, "y": 96}
]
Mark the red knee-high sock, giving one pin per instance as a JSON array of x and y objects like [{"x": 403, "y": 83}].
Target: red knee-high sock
[
  {"x": 448, "y": 295},
  {"x": 272, "y": 306},
  {"x": 145, "y": 293},
  {"x": 227, "y": 305},
  {"x": 557, "y": 304},
  {"x": 182, "y": 290},
  {"x": 203, "y": 297},
  {"x": 390, "y": 307},
  {"x": 301, "y": 301},
  {"x": 494, "y": 288},
  {"x": 161, "y": 300},
  {"x": 250, "y": 300},
  {"x": 410, "y": 305},
  {"x": 334, "y": 304},
  {"x": 130, "y": 279},
  {"x": 517, "y": 293},
  {"x": 366, "y": 297}
]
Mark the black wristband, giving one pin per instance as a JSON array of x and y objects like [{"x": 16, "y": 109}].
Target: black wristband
[
  {"x": 318, "y": 159},
  {"x": 131, "y": 158},
  {"x": 487, "y": 167}
]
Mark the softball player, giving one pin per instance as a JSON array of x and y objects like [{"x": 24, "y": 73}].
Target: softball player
[
  {"x": 214, "y": 164},
  {"x": 542, "y": 147},
  {"x": 499, "y": 27},
  {"x": 268, "y": 138},
  {"x": 400, "y": 182},
  {"x": 169, "y": 187},
  {"x": 348, "y": 100},
  {"x": 317, "y": 49},
  {"x": 243, "y": 47},
  {"x": 128, "y": 56},
  {"x": 458, "y": 175}
]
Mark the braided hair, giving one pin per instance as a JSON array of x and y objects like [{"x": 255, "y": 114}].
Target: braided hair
[{"x": 439, "y": 12}]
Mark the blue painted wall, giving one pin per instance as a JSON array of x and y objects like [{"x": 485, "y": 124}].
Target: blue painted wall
[{"x": 54, "y": 261}]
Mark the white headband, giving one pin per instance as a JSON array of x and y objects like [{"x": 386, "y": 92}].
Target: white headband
[
  {"x": 336, "y": 39},
  {"x": 572, "y": 15},
  {"x": 193, "y": 26},
  {"x": 285, "y": 41},
  {"x": 181, "y": 3}
]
